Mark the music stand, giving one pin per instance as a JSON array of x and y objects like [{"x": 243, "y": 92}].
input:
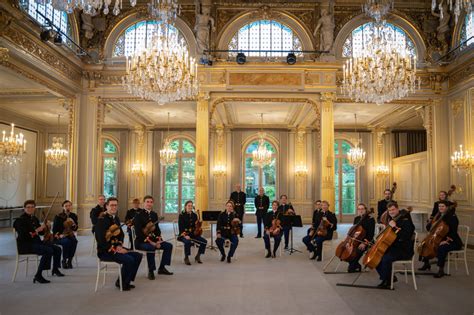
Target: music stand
[
  {"x": 292, "y": 221},
  {"x": 211, "y": 216}
]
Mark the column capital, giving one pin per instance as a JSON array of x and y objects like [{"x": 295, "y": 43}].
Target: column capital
[{"x": 328, "y": 97}]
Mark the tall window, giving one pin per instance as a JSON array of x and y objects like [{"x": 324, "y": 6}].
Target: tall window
[
  {"x": 139, "y": 36},
  {"x": 58, "y": 18},
  {"x": 109, "y": 162},
  {"x": 467, "y": 31},
  {"x": 363, "y": 35},
  {"x": 265, "y": 35},
  {"x": 179, "y": 178},
  {"x": 344, "y": 179},
  {"x": 259, "y": 176}
]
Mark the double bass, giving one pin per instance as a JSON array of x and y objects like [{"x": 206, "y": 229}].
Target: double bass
[{"x": 347, "y": 249}]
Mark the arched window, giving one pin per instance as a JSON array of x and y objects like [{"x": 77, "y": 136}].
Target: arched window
[
  {"x": 179, "y": 178},
  {"x": 344, "y": 180},
  {"x": 139, "y": 36},
  {"x": 255, "y": 176},
  {"x": 363, "y": 35},
  {"x": 265, "y": 35},
  {"x": 109, "y": 168},
  {"x": 467, "y": 30},
  {"x": 58, "y": 18}
]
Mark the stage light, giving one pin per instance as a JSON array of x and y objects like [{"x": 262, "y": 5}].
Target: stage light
[
  {"x": 241, "y": 59},
  {"x": 58, "y": 39},
  {"x": 45, "y": 35},
  {"x": 291, "y": 59}
]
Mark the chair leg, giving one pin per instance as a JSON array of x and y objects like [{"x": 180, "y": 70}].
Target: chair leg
[
  {"x": 406, "y": 273},
  {"x": 456, "y": 261},
  {"x": 465, "y": 263},
  {"x": 27, "y": 265},
  {"x": 413, "y": 274},
  {"x": 120, "y": 277},
  {"x": 105, "y": 273},
  {"x": 391, "y": 279},
  {"x": 77, "y": 263},
  {"x": 449, "y": 262},
  {"x": 16, "y": 269},
  {"x": 337, "y": 266},
  {"x": 328, "y": 263},
  {"x": 98, "y": 276}
]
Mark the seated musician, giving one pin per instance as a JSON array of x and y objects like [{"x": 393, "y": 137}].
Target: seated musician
[
  {"x": 109, "y": 236},
  {"x": 286, "y": 209},
  {"x": 129, "y": 219},
  {"x": 311, "y": 233},
  {"x": 274, "y": 232},
  {"x": 322, "y": 218},
  {"x": 187, "y": 225},
  {"x": 366, "y": 220},
  {"x": 443, "y": 196},
  {"x": 401, "y": 248},
  {"x": 226, "y": 229},
  {"x": 64, "y": 226},
  {"x": 148, "y": 238},
  {"x": 451, "y": 242},
  {"x": 29, "y": 242}
]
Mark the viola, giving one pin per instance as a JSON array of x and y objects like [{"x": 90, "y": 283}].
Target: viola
[
  {"x": 149, "y": 228},
  {"x": 69, "y": 226},
  {"x": 48, "y": 236},
  {"x": 275, "y": 229},
  {"x": 198, "y": 225},
  {"x": 428, "y": 248},
  {"x": 235, "y": 226},
  {"x": 113, "y": 231},
  {"x": 323, "y": 227},
  {"x": 347, "y": 249}
]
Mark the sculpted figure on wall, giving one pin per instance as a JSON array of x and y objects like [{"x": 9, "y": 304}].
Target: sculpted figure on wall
[
  {"x": 325, "y": 28},
  {"x": 442, "y": 30},
  {"x": 204, "y": 22}
]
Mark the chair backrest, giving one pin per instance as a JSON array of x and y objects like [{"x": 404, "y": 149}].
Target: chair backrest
[
  {"x": 134, "y": 236},
  {"x": 463, "y": 231},
  {"x": 415, "y": 240},
  {"x": 464, "y": 219},
  {"x": 15, "y": 236},
  {"x": 175, "y": 228},
  {"x": 378, "y": 228}
]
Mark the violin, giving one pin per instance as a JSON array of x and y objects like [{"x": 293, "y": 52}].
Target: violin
[
  {"x": 69, "y": 227},
  {"x": 48, "y": 237},
  {"x": 323, "y": 227},
  {"x": 235, "y": 226},
  {"x": 347, "y": 249},
  {"x": 113, "y": 231},
  {"x": 275, "y": 229},
  {"x": 428, "y": 248},
  {"x": 149, "y": 228},
  {"x": 198, "y": 225}
]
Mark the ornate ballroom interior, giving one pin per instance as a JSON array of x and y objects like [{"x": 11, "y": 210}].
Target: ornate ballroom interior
[{"x": 273, "y": 94}]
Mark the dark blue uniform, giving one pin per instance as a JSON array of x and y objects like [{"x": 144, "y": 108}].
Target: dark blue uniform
[
  {"x": 269, "y": 217},
  {"x": 187, "y": 225},
  {"x": 318, "y": 216},
  {"x": 239, "y": 198},
  {"x": 368, "y": 224},
  {"x": 68, "y": 243},
  {"x": 262, "y": 203},
  {"x": 94, "y": 215},
  {"x": 283, "y": 208},
  {"x": 129, "y": 221},
  {"x": 223, "y": 228}
]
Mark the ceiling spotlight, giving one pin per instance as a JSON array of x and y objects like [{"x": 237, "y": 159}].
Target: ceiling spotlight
[
  {"x": 45, "y": 35},
  {"x": 291, "y": 59},
  {"x": 58, "y": 39},
  {"x": 241, "y": 59}
]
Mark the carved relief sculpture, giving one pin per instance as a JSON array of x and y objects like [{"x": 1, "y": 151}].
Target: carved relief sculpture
[
  {"x": 204, "y": 22},
  {"x": 325, "y": 28},
  {"x": 442, "y": 30}
]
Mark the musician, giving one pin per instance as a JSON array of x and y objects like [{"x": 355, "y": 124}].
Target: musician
[
  {"x": 311, "y": 233},
  {"x": 442, "y": 196},
  {"x": 239, "y": 198},
  {"x": 262, "y": 203},
  {"x": 451, "y": 242},
  {"x": 28, "y": 241},
  {"x": 129, "y": 219},
  {"x": 382, "y": 204},
  {"x": 275, "y": 214},
  {"x": 187, "y": 225},
  {"x": 225, "y": 231},
  {"x": 64, "y": 226},
  {"x": 152, "y": 241},
  {"x": 109, "y": 236},
  {"x": 96, "y": 211},
  {"x": 286, "y": 209},
  {"x": 365, "y": 219},
  {"x": 402, "y": 247},
  {"x": 328, "y": 217}
]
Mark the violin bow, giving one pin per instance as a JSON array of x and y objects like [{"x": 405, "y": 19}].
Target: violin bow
[{"x": 45, "y": 216}]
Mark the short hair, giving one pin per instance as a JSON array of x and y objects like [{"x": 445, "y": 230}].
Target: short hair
[
  {"x": 231, "y": 202},
  {"x": 65, "y": 201},
  {"x": 326, "y": 202},
  {"x": 392, "y": 204},
  {"x": 390, "y": 191},
  {"x": 362, "y": 204},
  {"x": 281, "y": 196},
  {"x": 276, "y": 201},
  {"x": 444, "y": 192},
  {"x": 100, "y": 196},
  {"x": 319, "y": 200},
  {"x": 136, "y": 200},
  {"x": 148, "y": 197},
  {"x": 110, "y": 199},
  {"x": 444, "y": 202},
  {"x": 186, "y": 203},
  {"x": 29, "y": 202}
]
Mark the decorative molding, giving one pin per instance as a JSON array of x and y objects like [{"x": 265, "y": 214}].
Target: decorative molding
[
  {"x": 426, "y": 114},
  {"x": 300, "y": 133},
  {"x": 220, "y": 136},
  {"x": 380, "y": 137},
  {"x": 4, "y": 55},
  {"x": 457, "y": 106}
]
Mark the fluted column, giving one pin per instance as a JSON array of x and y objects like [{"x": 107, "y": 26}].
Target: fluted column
[
  {"x": 327, "y": 147},
  {"x": 202, "y": 151}
]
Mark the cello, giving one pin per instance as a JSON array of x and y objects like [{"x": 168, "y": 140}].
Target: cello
[
  {"x": 428, "y": 248},
  {"x": 347, "y": 249}
]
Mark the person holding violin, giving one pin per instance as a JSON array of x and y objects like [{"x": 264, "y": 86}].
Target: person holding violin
[
  {"x": 227, "y": 228},
  {"x": 382, "y": 204},
  {"x": 129, "y": 219},
  {"x": 272, "y": 229},
  {"x": 401, "y": 248},
  {"x": 325, "y": 223},
  {"x": 28, "y": 241},
  {"x": 239, "y": 198},
  {"x": 262, "y": 203},
  {"x": 311, "y": 233},
  {"x": 452, "y": 241},
  {"x": 64, "y": 226},
  {"x": 286, "y": 209},
  {"x": 109, "y": 236},
  {"x": 189, "y": 234},
  {"x": 367, "y": 222},
  {"x": 96, "y": 211},
  {"x": 148, "y": 238}
]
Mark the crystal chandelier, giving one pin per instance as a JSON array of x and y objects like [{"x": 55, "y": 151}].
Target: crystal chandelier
[
  {"x": 165, "y": 11},
  {"x": 356, "y": 155},
  {"x": 56, "y": 155},
  {"x": 261, "y": 156},
  {"x": 91, "y": 7},
  {"x": 163, "y": 72},
  {"x": 458, "y": 6},
  {"x": 462, "y": 160},
  {"x": 383, "y": 69},
  {"x": 167, "y": 154},
  {"x": 12, "y": 148}
]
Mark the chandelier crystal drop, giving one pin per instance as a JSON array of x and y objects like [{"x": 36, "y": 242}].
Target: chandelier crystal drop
[
  {"x": 56, "y": 155},
  {"x": 165, "y": 11},
  {"x": 167, "y": 154},
  {"x": 261, "y": 156},
  {"x": 12, "y": 147},
  {"x": 377, "y": 9},
  {"x": 455, "y": 6},
  {"x": 163, "y": 72},
  {"x": 92, "y": 7},
  {"x": 356, "y": 155}
]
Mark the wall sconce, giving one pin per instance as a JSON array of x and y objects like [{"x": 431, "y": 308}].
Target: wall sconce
[
  {"x": 462, "y": 160},
  {"x": 138, "y": 169},
  {"x": 301, "y": 170},
  {"x": 219, "y": 170},
  {"x": 382, "y": 171}
]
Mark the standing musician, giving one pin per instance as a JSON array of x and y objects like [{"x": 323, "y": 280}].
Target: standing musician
[
  {"x": 286, "y": 209},
  {"x": 272, "y": 229},
  {"x": 365, "y": 219},
  {"x": 239, "y": 198},
  {"x": 382, "y": 204},
  {"x": 401, "y": 248},
  {"x": 443, "y": 196},
  {"x": 326, "y": 220},
  {"x": 452, "y": 241},
  {"x": 64, "y": 226},
  {"x": 96, "y": 211},
  {"x": 311, "y": 233},
  {"x": 29, "y": 242},
  {"x": 109, "y": 236},
  {"x": 148, "y": 238},
  {"x": 227, "y": 228},
  {"x": 129, "y": 219},
  {"x": 262, "y": 203},
  {"x": 187, "y": 233}
]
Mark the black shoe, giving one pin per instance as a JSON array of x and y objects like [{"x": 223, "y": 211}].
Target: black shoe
[
  {"x": 286, "y": 247},
  {"x": 241, "y": 235},
  {"x": 117, "y": 283},
  {"x": 269, "y": 254},
  {"x": 384, "y": 284},
  {"x": 313, "y": 257},
  {"x": 425, "y": 267},
  {"x": 319, "y": 258},
  {"x": 126, "y": 287},
  {"x": 357, "y": 268},
  {"x": 222, "y": 257},
  {"x": 186, "y": 261},
  {"x": 198, "y": 259},
  {"x": 57, "y": 273},
  {"x": 258, "y": 236},
  {"x": 40, "y": 279},
  {"x": 229, "y": 259},
  {"x": 164, "y": 271},
  {"x": 440, "y": 274},
  {"x": 131, "y": 286},
  {"x": 274, "y": 254},
  {"x": 69, "y": 263},
  {"x": 64, "y": 264},
  {"x": 151, "y": 275}
]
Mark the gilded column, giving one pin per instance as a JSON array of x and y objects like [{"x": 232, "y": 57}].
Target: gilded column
[
  {"x": 202, "y": 151},
  {"x": 72, "y": 142},
  {"x": 327, "y": 147},
  {"x": 219, "y": 165},
  {"x": 380, "y": 181},
  {"x": 300, "y": 164},
  {"x": 138, "y": 176}
]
